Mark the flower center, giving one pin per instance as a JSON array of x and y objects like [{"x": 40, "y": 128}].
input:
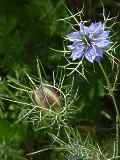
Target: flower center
[{"x": 85, "y": 39}]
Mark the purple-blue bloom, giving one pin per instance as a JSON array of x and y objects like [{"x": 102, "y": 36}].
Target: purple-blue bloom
[{"x": 89, "y": 42}]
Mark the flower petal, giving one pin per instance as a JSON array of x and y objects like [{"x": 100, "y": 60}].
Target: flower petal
[
  {"x": 74, "y": 36},
  {"x": 100, "y": 36},
  {"x": 104, "y": 34},
  {"x": 83, "y": 29},
  {"x": 99, "y": 54},
  {"x": 77, "y": 53},
  {"x": 96, "y": 28},
  {"x": 90, "y": 54},
  {"x": 94, "y": 53},
  {"x": 71, "y": 47},
  {"x": 103, "y": 43},
  {"x": 78, "y": 45}
]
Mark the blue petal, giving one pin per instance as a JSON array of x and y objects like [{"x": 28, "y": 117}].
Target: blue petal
[
  {"x": 97, "y": 59},
  {"x": 77, "y": 53},
  {"x": 78, "y": 45},
  {"x": 71, "y": 47},
  {"x": 100, "y": 36},
  {"x": 104, "y": 34},
  {"x": 103, "y": 43},
  {"x": 96, "y": 28},
  {"x": 94, "y": 53},
  {"x": 90, "y": 55},
  {"x": 99, "y": 54},
  {"x": 83, "y": 29},
  {"x": 74, "y": 36}
]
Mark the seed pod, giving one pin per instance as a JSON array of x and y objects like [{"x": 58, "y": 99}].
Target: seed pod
[{"x": 46, "y": 96}]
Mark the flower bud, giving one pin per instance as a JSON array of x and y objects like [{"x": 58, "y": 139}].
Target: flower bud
[{"x": 46, "y": 96}]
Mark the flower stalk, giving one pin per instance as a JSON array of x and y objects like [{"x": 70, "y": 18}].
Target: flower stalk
[{"x": 116, "y": 108}]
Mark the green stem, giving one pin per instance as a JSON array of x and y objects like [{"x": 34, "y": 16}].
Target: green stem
[{"x": 115, "y": 105}]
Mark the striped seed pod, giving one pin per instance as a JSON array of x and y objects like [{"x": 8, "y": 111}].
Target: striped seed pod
[{"x": 46, "y": 96}]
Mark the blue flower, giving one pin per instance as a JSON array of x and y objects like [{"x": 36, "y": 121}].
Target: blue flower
[{"x": 90, "y": 42}]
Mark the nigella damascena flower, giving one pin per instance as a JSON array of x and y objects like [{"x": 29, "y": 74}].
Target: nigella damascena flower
[{"x": 90, "y": 42}]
